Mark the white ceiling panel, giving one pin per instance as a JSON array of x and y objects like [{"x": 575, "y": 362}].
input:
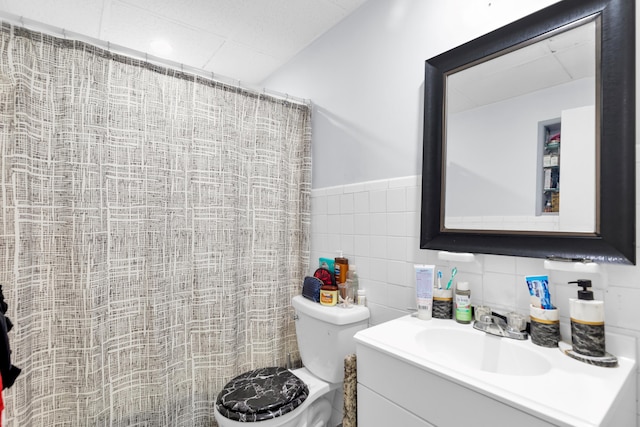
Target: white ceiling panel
[
  {"x": 220, "y": 17},
  {"x": 242, "y": 62},
  {"x": 275, "y": 27},
  {"x": 80, "y": 16},
  {"x": 188, "y": 45},
  {"x": 240, "y": 39}
]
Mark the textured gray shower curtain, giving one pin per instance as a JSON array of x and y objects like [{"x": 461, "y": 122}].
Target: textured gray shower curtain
[{"x": 154, "y": 227}]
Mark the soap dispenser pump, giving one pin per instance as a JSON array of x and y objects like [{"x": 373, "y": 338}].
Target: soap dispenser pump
[{"x": 587, "y": 322}]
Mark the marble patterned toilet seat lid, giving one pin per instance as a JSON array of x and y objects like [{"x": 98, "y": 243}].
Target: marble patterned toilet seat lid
[{"x": 261, "y": 394}]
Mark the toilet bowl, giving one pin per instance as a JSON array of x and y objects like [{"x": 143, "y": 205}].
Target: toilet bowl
[{"x": 276, "y": 397}]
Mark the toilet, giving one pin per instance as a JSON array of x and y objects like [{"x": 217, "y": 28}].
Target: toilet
[{"x": 277, "y": 397}]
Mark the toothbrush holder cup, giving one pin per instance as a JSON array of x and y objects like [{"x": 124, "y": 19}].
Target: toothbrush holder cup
[
  {"x": 545, "y": 326},
  {"x": 443, "y": 303}
]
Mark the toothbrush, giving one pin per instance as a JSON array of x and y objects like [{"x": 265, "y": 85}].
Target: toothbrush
[
  {"x": 453, "y": 274},
  {"x": 439, "y": 279}
]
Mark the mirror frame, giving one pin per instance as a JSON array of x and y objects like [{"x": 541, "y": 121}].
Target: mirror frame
[{"x": 615, "y": 241}]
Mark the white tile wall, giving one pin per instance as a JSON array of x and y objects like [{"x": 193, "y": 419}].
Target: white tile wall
[{"x": 377, "y": 226}]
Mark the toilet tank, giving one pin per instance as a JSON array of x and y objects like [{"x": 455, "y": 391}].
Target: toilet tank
[{"x": 325, "y": 336}]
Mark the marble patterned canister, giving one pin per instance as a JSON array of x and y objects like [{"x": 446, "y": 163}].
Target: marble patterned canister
[
  {"x": 587, "y": 327},
  {"x": 350, "y": 409},
  {"x": 545, "y": 326},
  {"x": 443, "y": 303},
  {"x": 588, "y": 339}
]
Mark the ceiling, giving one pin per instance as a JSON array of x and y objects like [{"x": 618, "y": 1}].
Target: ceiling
[
  {"x": 559, "y": 58},
  {"x": 244, "y": 40}
]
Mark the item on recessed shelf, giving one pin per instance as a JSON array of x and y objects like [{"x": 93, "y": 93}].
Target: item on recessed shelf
[
  {"x": 463, "y": 303},
  {"x": 424, "y": 290},
  {"x": 547, "y": 178}
]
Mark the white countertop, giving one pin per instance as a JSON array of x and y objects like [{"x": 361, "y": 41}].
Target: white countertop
[{"x": 561, "y": 389}]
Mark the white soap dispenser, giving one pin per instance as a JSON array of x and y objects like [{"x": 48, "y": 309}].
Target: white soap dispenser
[{"x": 587, "y": 322}]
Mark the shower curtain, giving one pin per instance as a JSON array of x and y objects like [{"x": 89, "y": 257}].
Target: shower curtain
[{"x": 154, "y": 227}]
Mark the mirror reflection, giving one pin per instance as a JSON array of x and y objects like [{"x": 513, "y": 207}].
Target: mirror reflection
[{"x": 520, "y": 149}]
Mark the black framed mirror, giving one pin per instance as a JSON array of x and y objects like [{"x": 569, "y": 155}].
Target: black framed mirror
[{"x": 607, "y": 173}]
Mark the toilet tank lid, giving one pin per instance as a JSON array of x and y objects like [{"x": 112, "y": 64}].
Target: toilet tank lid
[{"x": 335, "y": 315}]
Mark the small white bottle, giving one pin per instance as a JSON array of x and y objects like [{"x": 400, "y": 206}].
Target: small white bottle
[{"x": 362, "y": 298}]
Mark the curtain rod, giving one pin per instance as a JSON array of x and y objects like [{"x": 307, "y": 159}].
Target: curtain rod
[{"x": 50, "y": 30}]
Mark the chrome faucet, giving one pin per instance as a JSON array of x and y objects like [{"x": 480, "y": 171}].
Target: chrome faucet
[{"x": 495, "y": 325}]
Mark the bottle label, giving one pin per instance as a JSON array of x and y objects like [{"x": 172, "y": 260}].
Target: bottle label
[{"x": 463, "y": 307}]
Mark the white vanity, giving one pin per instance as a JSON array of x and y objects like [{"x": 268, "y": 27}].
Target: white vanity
[{"x": 414, "y": 373}]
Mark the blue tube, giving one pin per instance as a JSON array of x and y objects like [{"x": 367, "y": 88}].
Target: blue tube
[{"x": 539, "y": 288}]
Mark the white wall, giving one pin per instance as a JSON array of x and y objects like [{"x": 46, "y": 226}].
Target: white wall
[
  {"x": 577, "y": 178},
  {"x": 365, "y": 79}
]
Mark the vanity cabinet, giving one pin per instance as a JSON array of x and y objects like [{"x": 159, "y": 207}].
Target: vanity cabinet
[
  {"x": 393, "y": 392},
  {"x": 376, "y": 410}
]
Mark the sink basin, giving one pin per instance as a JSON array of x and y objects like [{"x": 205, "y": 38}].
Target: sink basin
[{"x": 484, "y": 352}]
